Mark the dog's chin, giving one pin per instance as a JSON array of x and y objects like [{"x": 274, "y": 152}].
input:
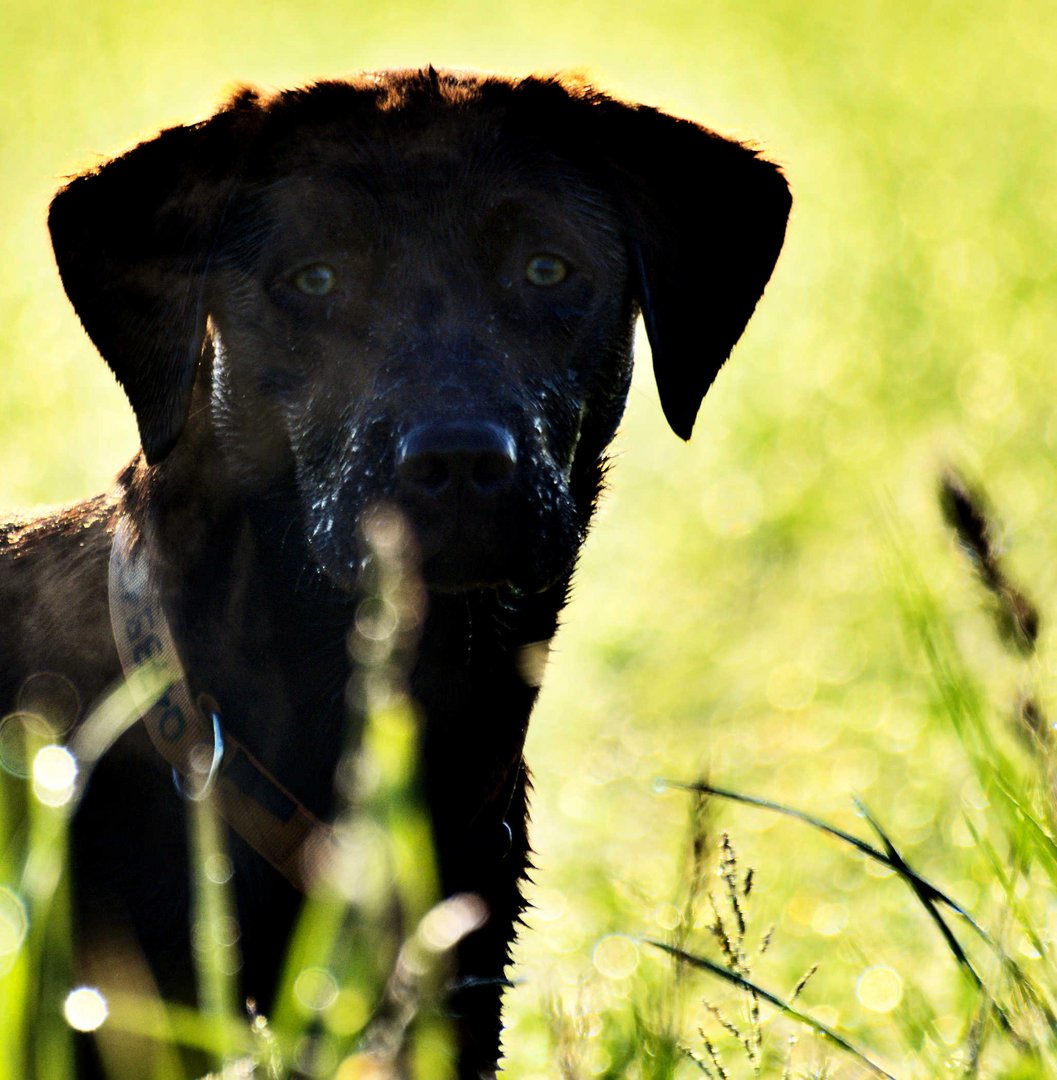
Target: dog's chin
[
  {"x": 449, "y": 568},
  {"x": 443, "y": 572},
  {"x": 446, "y": 571}
]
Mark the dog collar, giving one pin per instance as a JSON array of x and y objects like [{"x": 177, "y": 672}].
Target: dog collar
[{"x": 188, "y": 734}]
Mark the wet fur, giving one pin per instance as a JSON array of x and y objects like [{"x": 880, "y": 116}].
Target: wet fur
[{"x": 271, "y": 423}]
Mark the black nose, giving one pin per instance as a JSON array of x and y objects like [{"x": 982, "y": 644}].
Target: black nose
[{"x": 447, "y": 458}]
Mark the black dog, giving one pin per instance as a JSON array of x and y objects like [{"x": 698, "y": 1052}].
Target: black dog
[{"x": 413, "y": 289}]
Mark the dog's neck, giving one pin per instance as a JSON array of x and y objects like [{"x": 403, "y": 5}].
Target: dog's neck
[{"x": 266, "y": 637}]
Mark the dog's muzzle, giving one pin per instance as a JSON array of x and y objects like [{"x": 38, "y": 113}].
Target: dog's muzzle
[
  {"x": 456, "y": 462},
  {"x": 456, "y": 483}
]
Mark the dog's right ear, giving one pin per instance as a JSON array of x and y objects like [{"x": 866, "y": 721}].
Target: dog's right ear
[
  {"x": 133, "y": 241},
  {"x": 707, "y": 219}
]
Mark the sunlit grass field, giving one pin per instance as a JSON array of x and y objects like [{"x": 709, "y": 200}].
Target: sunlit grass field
[{"x": 778, "y": 607}]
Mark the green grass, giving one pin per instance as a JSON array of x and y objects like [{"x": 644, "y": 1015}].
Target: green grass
[{"x": 778, "y": 606}]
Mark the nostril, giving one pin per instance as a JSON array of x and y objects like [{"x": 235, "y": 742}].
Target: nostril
[
  {"x": 492, "y": 469},
  {"x": 445, "y": 458},
  {"x": 428, "y": 472}
]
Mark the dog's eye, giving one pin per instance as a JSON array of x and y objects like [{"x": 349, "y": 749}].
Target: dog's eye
[
  {"x": 316, "y": 280},
  {"x": 546, "y": 270}
]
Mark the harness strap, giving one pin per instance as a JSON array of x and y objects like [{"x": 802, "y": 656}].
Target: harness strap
[{"x": 271, "y": 821}]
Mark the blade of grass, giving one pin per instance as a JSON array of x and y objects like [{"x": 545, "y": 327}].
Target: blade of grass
[
  {"x": 318, "y": 928},
  {"x": 920, "y": 885},
  {"x": 784, "y": 1007},
  {"x": 959, "y": 694},
  {"x": 927, "y": 901},
  {"x": 15, "y": 967},
  {"x": 215, "y": 930},
  {"x": 177, "y": 1025},
  {"x": 45, "y": 886},
  {"x": 1012, "y": 968},
  {"x": 925, "y": 895},
  {"x": 1041, "y": 842},
  {"x": 1007, "y": 881},
  {"x": 353, "y": 924},
  {"x": 116, "y": 712},
  {"x": 849, "y": 838}
]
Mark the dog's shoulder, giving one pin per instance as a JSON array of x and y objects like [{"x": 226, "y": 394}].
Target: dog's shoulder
[
  {"x": 30, "y": 545},
  {"x": 53, "y": 597}
]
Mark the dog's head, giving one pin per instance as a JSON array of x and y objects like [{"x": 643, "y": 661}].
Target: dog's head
[{"x": 420, "y": 289}]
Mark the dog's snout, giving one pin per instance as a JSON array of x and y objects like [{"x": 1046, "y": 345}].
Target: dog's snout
[{"x": 442, "y": 459}]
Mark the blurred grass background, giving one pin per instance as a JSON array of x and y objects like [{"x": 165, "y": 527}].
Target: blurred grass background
[{"x": 741, "y": 607}]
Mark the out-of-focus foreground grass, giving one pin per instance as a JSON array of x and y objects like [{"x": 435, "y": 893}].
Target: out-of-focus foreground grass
[{"x": 746, "y": 606}]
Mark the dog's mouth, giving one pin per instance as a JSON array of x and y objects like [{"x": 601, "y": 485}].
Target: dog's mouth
[
  {"x": 448, "y": 560},
  {"x": 447, "y": 556},
  {"x": 480, "y": 509},
  {"x": 466, "y": 568},
  {"x": 521, "y": 543}
]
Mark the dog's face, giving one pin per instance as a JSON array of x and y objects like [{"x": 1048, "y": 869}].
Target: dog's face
[
  {"x": 422, "y": 318},
  {"x": 419, "y": 290}
]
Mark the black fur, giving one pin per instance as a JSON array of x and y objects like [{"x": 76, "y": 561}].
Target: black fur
[{"x": 435, "y": 371}]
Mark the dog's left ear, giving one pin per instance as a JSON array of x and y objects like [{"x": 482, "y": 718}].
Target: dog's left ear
[
  {"x": 132, "y": 241},
  {"x": 706, "y": 220}
]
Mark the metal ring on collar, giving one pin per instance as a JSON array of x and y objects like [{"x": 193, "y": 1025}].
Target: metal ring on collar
[{"x": 209, "y": 781}]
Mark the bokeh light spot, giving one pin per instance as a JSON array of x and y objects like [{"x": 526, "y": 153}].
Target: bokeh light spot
[
  {"x": 85, "y": 1009},
  {"x": 879, "y": 989},
  {"x": 790, "y": 688},
  {"x": 13, "y": 926},
  {"x": 218, "y": 869},
  {"x": 316, "y": 989},
  {"x": 20, "y": 734},
  {"x": 616, "y": 956},
  {"x": 829, "y": 919},
  {"x": 54, "y": 775}
]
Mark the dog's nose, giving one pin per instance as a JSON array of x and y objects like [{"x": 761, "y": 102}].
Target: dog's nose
[{"x": 445, "y": 457}]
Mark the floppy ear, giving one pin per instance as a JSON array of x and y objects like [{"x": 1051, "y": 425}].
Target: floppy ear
[
  {"x": 132, "y": 241},
  {"x": 707, "y": 219}
]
